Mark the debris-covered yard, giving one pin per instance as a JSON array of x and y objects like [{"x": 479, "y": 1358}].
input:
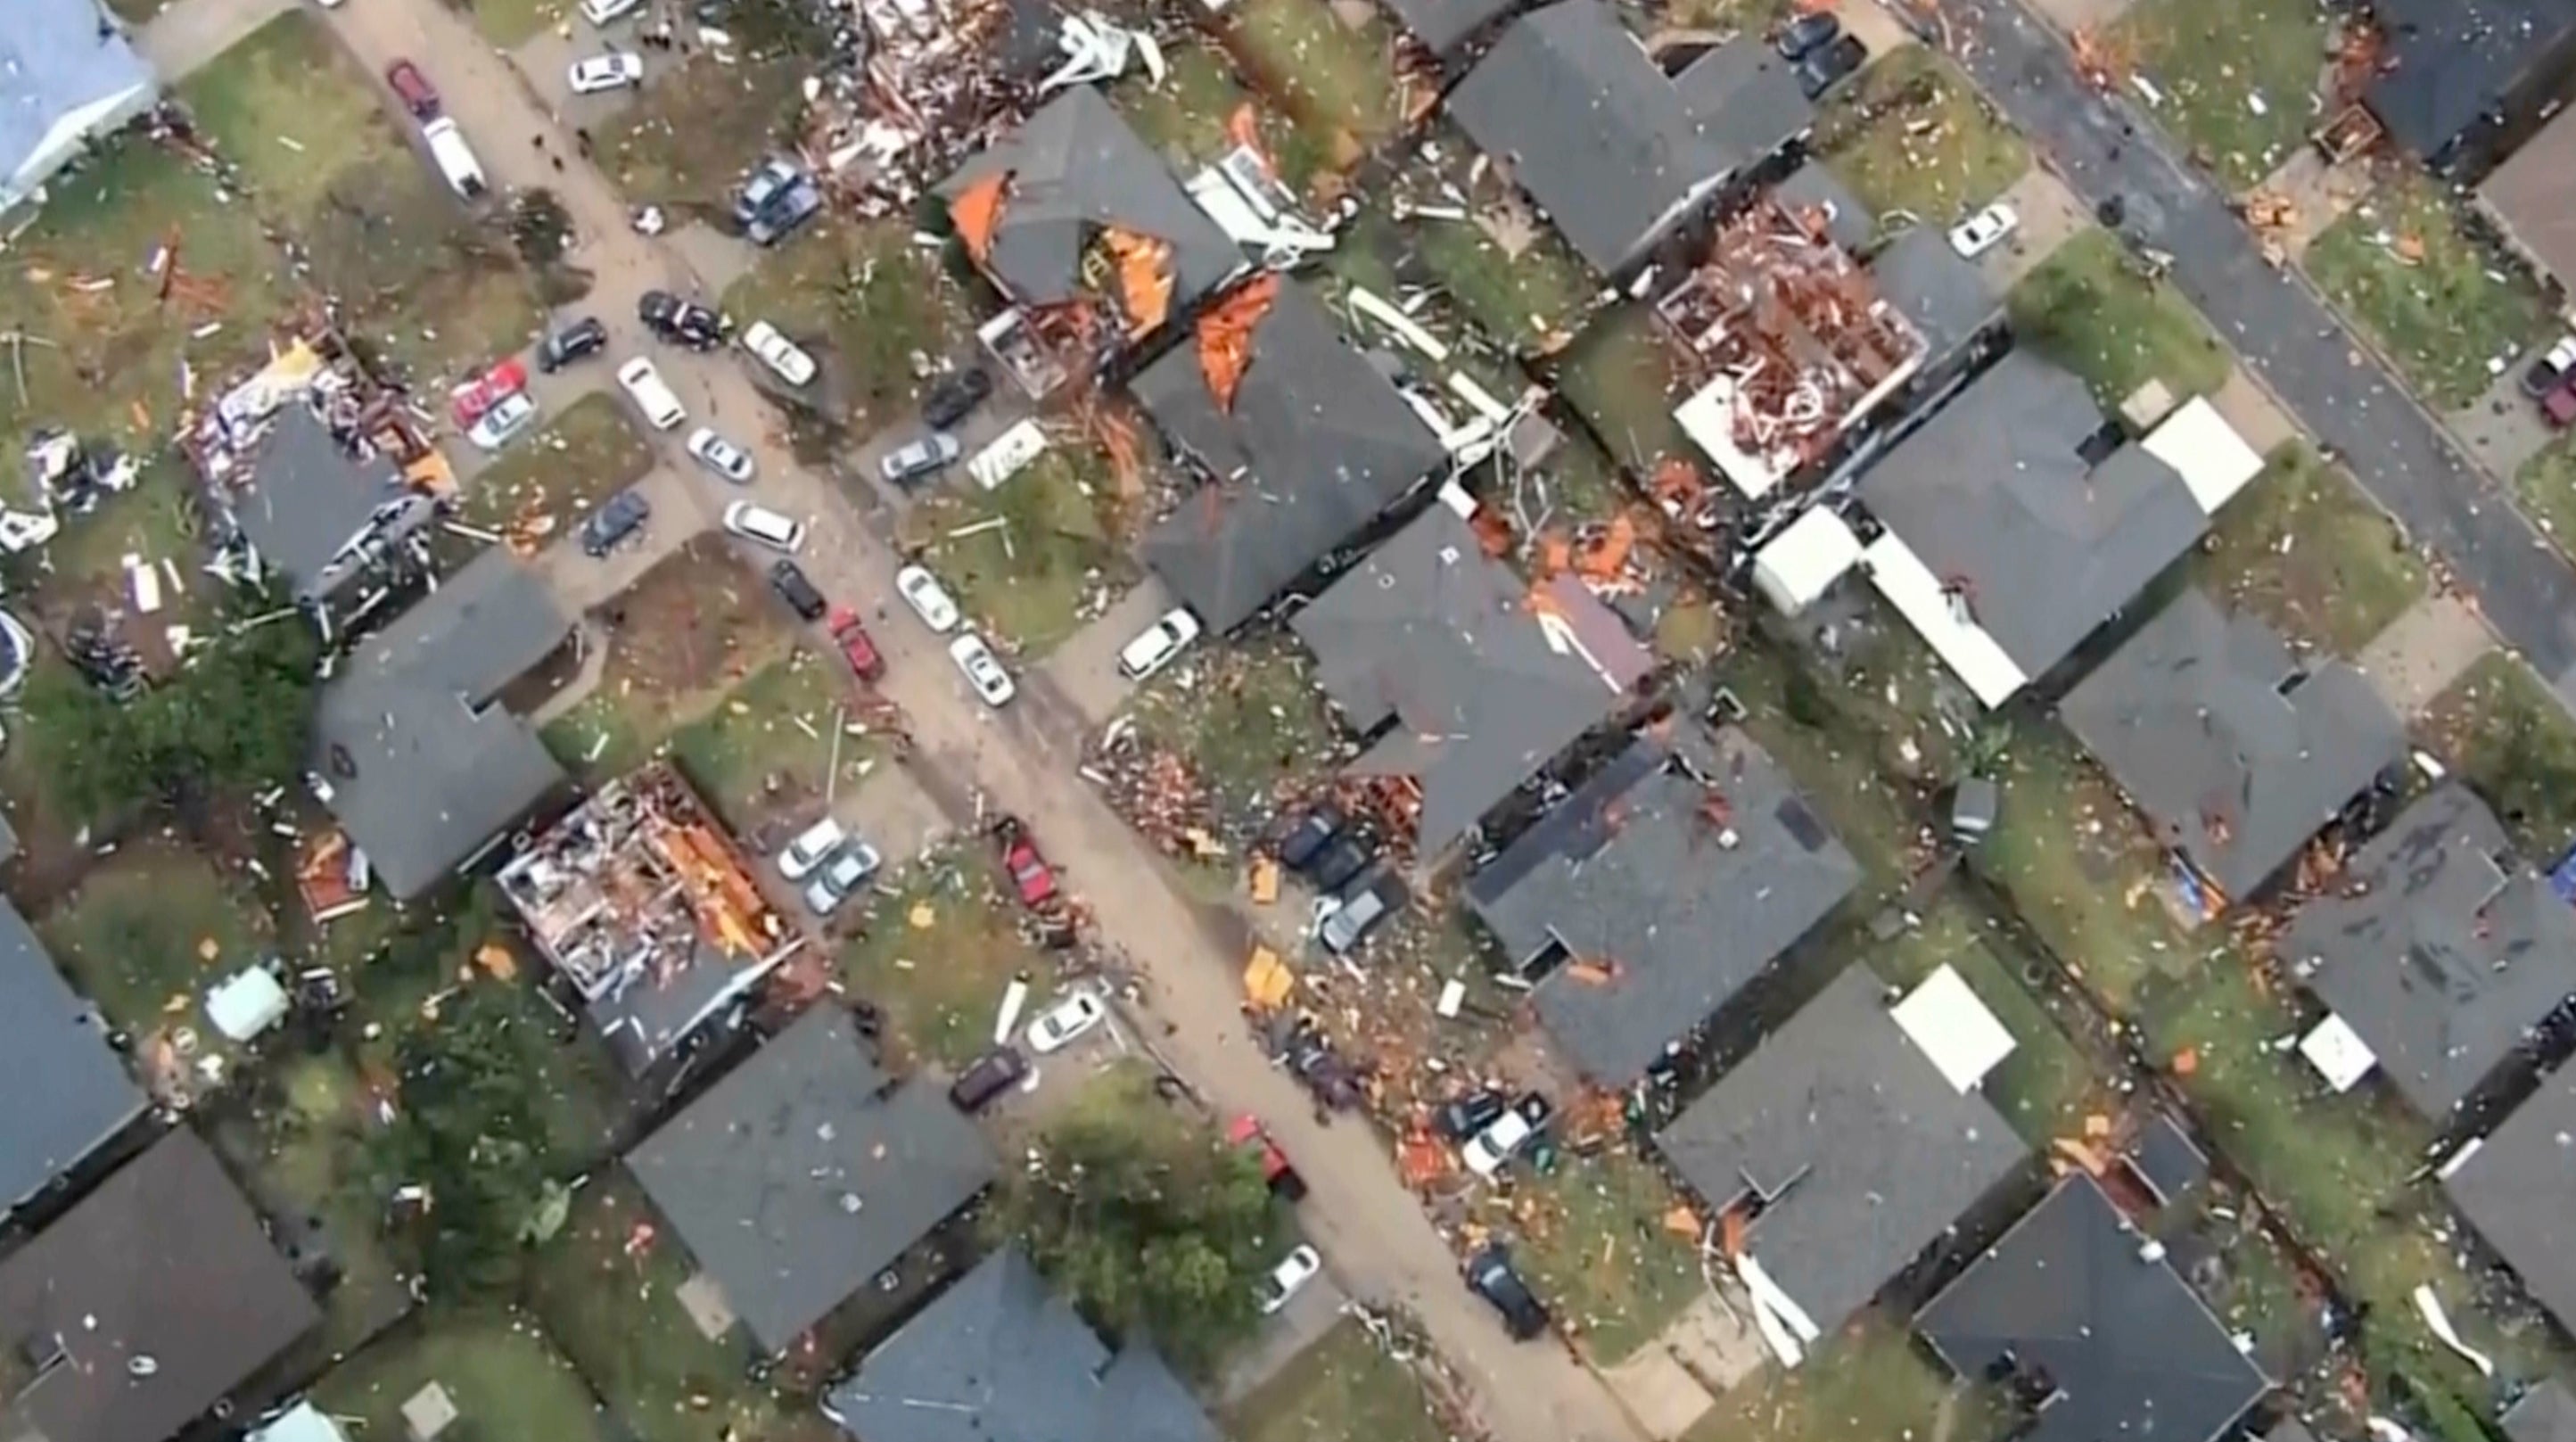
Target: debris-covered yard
[
  {"x": 1346, "y": 1385},
  {"x": 1246, "y": 726},
  {"x": 1912, "y": 137},
  {"x": 1037, "y": 558},
  {"x": 1620, "y": 375},
  {"x": 2238, "y": 77},
  {"x": 794, "y": 733},
  {"x": 149, "y": 929},
  {"x": 2499, "y": 729},
  {"x": 2546, "y": 486},
  {"x": 2414, "y": 273},
  {"x": 2303, "y": 548},
  {"x": 1329, "y": 74},
  {"x": 937, "y": 945},
  {"x": 869, "y": 303},
  {"x": 498, "y": 1372},
  {"x": 2091, "y": 308},
  {"x": 1874, "y": 1381},
  {"x": 1610, "y": 1245},
  {"x": 542, "y": 487},
  {"x": 698, "y": 127}
]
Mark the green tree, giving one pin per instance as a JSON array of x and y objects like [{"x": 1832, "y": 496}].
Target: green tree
[
  {"x": 84, "y": 745},
  {"x": 1151, "y": 1231},
  {"x": 465, "y": 1133}
]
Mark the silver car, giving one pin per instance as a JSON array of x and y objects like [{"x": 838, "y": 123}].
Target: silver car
[
  {"x": 927, "y": 456},
  {"x": 720, "y": 455},
  {"x": 844, "y": 873}
]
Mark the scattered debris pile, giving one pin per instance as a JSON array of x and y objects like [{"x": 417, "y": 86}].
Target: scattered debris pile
[
  {"x": 916, "y": 86},
  {"x": 1154, "y": 788}
]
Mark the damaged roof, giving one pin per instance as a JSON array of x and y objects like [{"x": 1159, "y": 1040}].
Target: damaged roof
[
  {"x": 2518, "y": 1189},
  {"x": 2125, "y": 1346},
  {"x": 1316, "y": 445},
  {"x": 1075, "y": 169},
  {"x": 424, "y": 764},
  {"x": 1995, "y": 495},
  {"x": 802, "y": 1174},
  {"x": 126, "y": 1275},
  {"x": 1477, "y": 679},
  {"x": 1001, "y": 1357},
  {"x": 1594, "y": 131},
  {"x": 63, "y": 1090},
  {"x": 1945, "y": 297},
  {"x": 2438, "y": 949},
  {"x": 309, "y": 497},
  {"x": 2235, "y": 751},
  {"x": 1681, "y": 904},
  {"x": 1444, "y": 26},
  {"x": 2444, "y": 64},
  {"x": 2546, "y": 1413},
  {"x": 1865, "y": 1151}
]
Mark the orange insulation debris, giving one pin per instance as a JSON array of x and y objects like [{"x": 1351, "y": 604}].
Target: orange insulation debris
[
  {"x": 1225, "y": 337},
  {"x": 977, "y": 211}
]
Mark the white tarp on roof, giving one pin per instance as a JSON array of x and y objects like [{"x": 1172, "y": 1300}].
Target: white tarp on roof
[
  {"x": 1708, "y": 418},
  {"x": 2338, "y": 1053},
  {"x": 1805, "y": 560},
  {"x": 1952, "y": 1025},
  {"x": 2203, "y": 449},
  {"x": 305, "y": 1423},
  {"x": 1916, "y": 593}
]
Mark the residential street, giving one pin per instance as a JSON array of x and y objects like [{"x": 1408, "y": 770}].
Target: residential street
[{"x": 1371, "y": 1229}]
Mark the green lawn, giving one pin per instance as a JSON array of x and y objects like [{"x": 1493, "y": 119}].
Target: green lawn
[
  {"x": 2087, "y": 308},
  {"x": 1342, "y": 1388},
  {"x": 2210, "y": 58},
  {"x": 1187, "y": 117},
  {"x": 150, "y": 930},
  {"x": 2442, "y": 318},
  {"x": 867, "y": 301},
  {"x": 1529, "y": 301},
  {"x": 2303, "y": 548},
  {"x": 505, "y": 1380},
  {"x": 2546, "y": 486},
  {"x": 1911, "y": 133},
  {"x": 768, "y": 744},
  {"x": 2499, "y": 729},
  {"x": 1870, "y": 1381},
  {"x": 1619, "y": 375},
  {"x": 1246, "y": 717},
  {"x": 694, "y": 130},
  {"x": 584, "y": 455},
  {"x": 1055, "y": 560},
  {"x": 937, "y": 949},
  {"x": 508, "y": 24},
  {"x": 1328, "y": 77},
  {"x": 1591, "y": 1237},
  {"x": 2047, "y": 1085}
]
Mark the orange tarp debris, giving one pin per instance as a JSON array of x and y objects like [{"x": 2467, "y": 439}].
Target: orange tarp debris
[
  {"x": 1421, "y": 1159},
  {"x": 1593, "y": 973},
  {"x": 1604, "y": 559},
  {"x": 1730, "y": 1232},
  {"x": 1144, "y": 278},
  {"x": 1243, "y": 127},
  {"x": 2186, "y": 1061},
  {"x": 1681, "y": 1221},
  {"x": 1493, "y": 533},
  {"x": 1225, "y": 337},
  {"x": 977, "y": 211},
  {"x": 495, "y": 958},
  {"x": 1267, "y": 981},
  {"x": 2090, "y": 1159},
  {"x": 1265, "y": 881}
]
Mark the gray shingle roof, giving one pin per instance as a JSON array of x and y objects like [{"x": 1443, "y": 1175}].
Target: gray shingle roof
[
  {"x": 2125, "y": 1344},
  {"x": 2546, "y": 1413},
  {"x": 1482, "y": 689},
  {"x": 1075, "y": 167},
  {"x": 800, "y": 1176},
  {"x": 2440, "y": 950},
  {"x": 2190, "y": 719},
  {"x": 424, "y": 766},
  {"x": 2452, "y": 60},
  {"x": 164, "y": 1260},
  {"x": 1866, "y": 1153},
  {"x": 1993, "y": 491},
  {"x": 1746, "y": 97},
  {"x": 1317, "y": 445},
  {"x": 1000, "y": 1357},
  {"x": 1945, "y": 297},
  {"x": 1849, "y": 222},
  {"x": 1628, "y": 872},
  {"x": 1444, "y": 25},
  {"x": 63, "y": 1090},
  {"x": 58, "y": 57},
  {"x": 308, "y": 498},
  {"x": 2518, "y": 1190},
  {"x": 1591, "y": 128}
]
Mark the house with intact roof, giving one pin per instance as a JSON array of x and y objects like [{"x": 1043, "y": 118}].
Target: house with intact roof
[
  {"x": 1001, "y": 1357},
  {"x": 2236, "y": 750},
  {"x": 64, "y": 1092},
  {"x": 1662, "y": 887},
  {"x": 2459, "y": 79},
  {"x": 2546, "y": 1413},
  {"x": 2516, "y": 1188},
  {"x": 806, "y": 1172},
  {"x": 2437, "y": 952},
  {"x": 2531, "y": 199},
  {"x": 67, "y": 79}
]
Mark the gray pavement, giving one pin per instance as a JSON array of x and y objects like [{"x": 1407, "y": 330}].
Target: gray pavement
[{"x": 2294, "y": 342}]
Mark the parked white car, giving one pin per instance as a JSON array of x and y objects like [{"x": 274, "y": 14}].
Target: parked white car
[
  {"x": 1067, "y": 1019},
  {"x": 811, "y": 848},
  {"x": 1150, "y": 652},
  {"x": 651, "y": 394},
  {"x": 502, "y": 424},
  {"x": 754, "y": 522},
  {"x": 613, "y": 71},
  {"x": 983, "y": 669},
  {"x": 1294, "y": 1271},
  {"x": 785, "y": 359},
  {"x": 720, "y": 455},
  {"x": 1984, "y": 230},
  {"x": 928, "y": 599}
]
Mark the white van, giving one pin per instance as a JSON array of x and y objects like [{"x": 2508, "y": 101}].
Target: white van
[
  {"x": 455, "y": 158},
  {"x": 645, "y": 386}
]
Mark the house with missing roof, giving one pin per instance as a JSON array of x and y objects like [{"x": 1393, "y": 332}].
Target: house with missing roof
[
  {"x": 64, "y": 1092},
  {"x": 1467, "y": 680},
  {"x": 806, "y": 1172},
  {"x": 2460, "y": 80},
  {"x": 67, "y": 80},
  {"x": 2082, "y": 1318},
  {"x": 1297, "y": 454},
  {"x": 326, "y": 509},
  {"x": 1001, "y": 1357},
  {"x": 2235, "y": 750},
  {"x": 1667, "y": 883},
  {"x": 418, "y": 758},
  {"x": 1850, "y": 1141},
  {"x": 2516, "y": 1188},
  {"x": 145, "y": 1306},
  {"x": 1618, "y": 153},
  {"x": 2437, "y": 954}
]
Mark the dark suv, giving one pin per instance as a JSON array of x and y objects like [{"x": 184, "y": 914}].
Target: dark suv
[
  {"x": 955, "y": 398},
  {"x": 993, "y": 1073},
  {"x": 684, "y": 322},
  {"x": 798, "y": 592},
  {"x": 621, "y": 516},
  {"x": 777, "y": 198},
  {"x": 1490, "y": 1276},
  {"x": 583, "y": 337}
]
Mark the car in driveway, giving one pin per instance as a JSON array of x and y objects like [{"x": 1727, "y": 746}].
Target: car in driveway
[
  {"x": 928, "y": 599},
  {"x": 652, "y": 395},
  {"x": 840, "y": 874},
  {"x": 1306, "y": 839},
  {"x": 812, "y": 847},
  {"x": 413, "y": 89},
  {"x": 681, "y": 322},
  {"x": 504, "y": 422},
  {"x": 788, "y": 580},
  {"x": 1490, "y": 1276},
  {"x": 1370, "y": 900},
  {"x": 955, "y": 397},
  {"x": 1031, "y": 878},
  {"x": 613, "y": 71},
  {"x": 1344, "y": 857},
  {"x": 850, "y": 636},
  {"x": 755, "y": 522},
  {"x": 1058, "y": 1026},
  {"x": 982, "y": 669},
  {"x": 1155, "y": 646},
  {"x": 1805, "y": 32},
  {"x": 2555, "y": 365},
  {"x": 1505, "y": 1136},
  {"x": 785, "y": 358},
  {"x": 1824, "y": 67},
  {"x": 1984, "y": 230},
  {"x": 1283, "y": 1281},
  {"x": 1464, "y": 1116},
  {"x": 720, "y": 455},
  {"x": 776, "y": 198},
  {"x": 584, "y": 337},
  {"x": 919, "y": 458},
  {"x": 993, "y": 1073},
  {"x": 469, "y": 401},
  {"x": 620, "y": 516}
]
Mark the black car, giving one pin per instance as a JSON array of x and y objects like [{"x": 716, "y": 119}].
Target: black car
[
  {"x": 1346, "y": 856},
  {"x": 955, "y": 398},
  {"x": 620, "y": 516},
  {"x": 684, "y": 322},
  {"x": 1462, "y": 1117},
  {"x": 797, "y": 592},
  {"x": 1804, "y": 34},
  {"x": 1305, "y": 841},
  {"x": 586, "y": 336},
  {"x": 1826, "y": 65},
  {"x": 993, "y": 1073},
  {"x": 1490, "y": 1276}
]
